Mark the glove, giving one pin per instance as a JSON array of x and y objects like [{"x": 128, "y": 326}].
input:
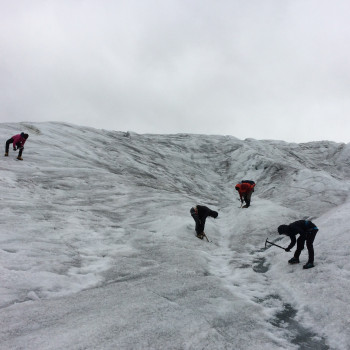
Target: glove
[
  {"x": 14, "y": 148},
  {"x": 287, "y": 249}
]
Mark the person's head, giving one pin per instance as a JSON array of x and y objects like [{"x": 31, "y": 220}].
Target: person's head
[
  {"x": 215, "y": 214},
  {"x": 25, "y": 136},
  {"x": 283, "y": 230},
  {"x": 237, "y": 187}
]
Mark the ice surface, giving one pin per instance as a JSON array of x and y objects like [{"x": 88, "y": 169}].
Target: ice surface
[{"x": 97, "y": 246}]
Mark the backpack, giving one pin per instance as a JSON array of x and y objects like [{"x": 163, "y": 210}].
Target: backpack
[{"x": 248, "y": 182}]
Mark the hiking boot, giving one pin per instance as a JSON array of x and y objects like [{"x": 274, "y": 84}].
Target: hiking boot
[
  {"x": 6, "y": 154},
  {"x": 309, "y": 265},
  {"x": 19, "y": 158},
  {"x": 293, "y": 261}
]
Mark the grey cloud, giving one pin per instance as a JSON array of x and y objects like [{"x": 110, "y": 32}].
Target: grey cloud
[{"x": 256, "y": 69}]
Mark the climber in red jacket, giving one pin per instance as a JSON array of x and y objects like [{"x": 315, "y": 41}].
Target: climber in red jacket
[{"x": 245, "y": 189}]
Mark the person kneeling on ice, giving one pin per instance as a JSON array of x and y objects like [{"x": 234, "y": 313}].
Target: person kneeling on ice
[
  {"x": 18, "y": 143},
  {"x": 245, "y": 189},
  {"x": 199, "y": 214},
  {"x": 307, "y": 231}
]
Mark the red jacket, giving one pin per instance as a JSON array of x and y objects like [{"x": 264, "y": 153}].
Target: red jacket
[
  {"x": 18, "y": 140},
  {"x": 244, "y": 188}
]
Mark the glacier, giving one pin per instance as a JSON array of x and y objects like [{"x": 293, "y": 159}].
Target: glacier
[{"x": 98, "y": 249}]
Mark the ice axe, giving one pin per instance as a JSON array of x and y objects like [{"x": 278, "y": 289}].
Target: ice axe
[
  {"x": 273, "y": 244},
  {"x": 205, "y": 236}
]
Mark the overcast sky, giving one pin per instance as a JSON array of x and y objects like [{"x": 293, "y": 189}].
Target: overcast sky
[{"x": 265, "y": 69}]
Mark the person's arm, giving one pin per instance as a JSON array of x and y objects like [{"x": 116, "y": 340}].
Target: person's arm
[
  {"x": 292, "y": 242},
  {"x": 19, "y": 145},
  {"x": 295, "y": 228}
]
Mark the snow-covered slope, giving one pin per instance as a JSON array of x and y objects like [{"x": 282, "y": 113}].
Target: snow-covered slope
[{"x": 97, "y": 246}]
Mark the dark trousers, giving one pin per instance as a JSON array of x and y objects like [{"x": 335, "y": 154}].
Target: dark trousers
[
  {"x": 247, "y": 197},
  {"x": 310, "y": 237},
  {"x": 8, "y": 142},
  {"x": 199, "y": 223}
]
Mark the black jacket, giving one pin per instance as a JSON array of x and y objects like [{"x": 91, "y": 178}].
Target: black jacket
[
  {"x": 200, "y": 217},
  {"x": 302, "y": 227}
]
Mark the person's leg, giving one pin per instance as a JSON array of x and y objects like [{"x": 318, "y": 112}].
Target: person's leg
[
  {"x": 300, "y": 247},
  {"x": 309, "y": 245},
  {"x": 246, "y": 201},
  {"x": 248, "y": 198},
  {"x": 8, "y": 145},
  {"x": 20, "y": 151},
  {"x": 199, "y": 229}
]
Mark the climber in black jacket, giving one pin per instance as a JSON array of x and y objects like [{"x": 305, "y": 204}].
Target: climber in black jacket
[
  {"x": 199, "y": 214},
  {"x": 307, "y": 231}
]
